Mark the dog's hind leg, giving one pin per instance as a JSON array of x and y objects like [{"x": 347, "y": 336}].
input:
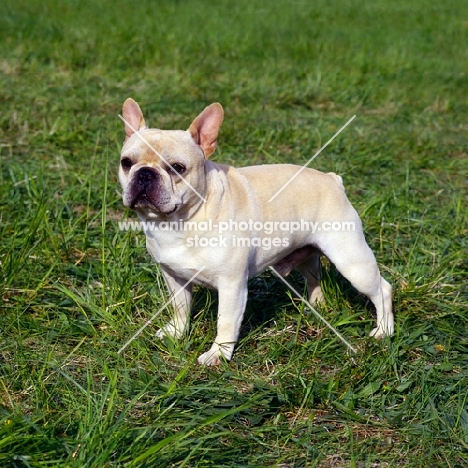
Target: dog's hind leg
[
  {"x": 311, "y": 271},
  {"x": 355, "y": 261}
]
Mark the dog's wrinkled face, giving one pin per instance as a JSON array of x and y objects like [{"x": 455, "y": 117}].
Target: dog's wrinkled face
[
  {"x": 159, "y": 171},
  {"x": 162, "y": 171}
]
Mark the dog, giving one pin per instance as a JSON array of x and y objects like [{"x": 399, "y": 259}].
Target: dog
[{"x": 264, "y": 213}]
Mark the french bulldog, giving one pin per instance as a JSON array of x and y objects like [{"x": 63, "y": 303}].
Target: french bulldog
[{"x": 222, "y": 225}]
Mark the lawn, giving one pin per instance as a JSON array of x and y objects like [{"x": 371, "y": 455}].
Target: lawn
[{"x": 74, "y": 288}]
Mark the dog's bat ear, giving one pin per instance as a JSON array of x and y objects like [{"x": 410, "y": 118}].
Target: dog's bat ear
[
  {"x": 132, "y": 117},
  {"x": 205, "y": 128}
]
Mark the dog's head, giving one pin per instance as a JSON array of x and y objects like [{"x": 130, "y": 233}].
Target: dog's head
[{"x": 162, "y": 171}]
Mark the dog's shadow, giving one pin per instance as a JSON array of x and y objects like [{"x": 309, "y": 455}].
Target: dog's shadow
[{"x": 269, "y": 297}]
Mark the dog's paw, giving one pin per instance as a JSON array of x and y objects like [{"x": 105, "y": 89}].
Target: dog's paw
[
  {"x": 213, "y": 356},
  {"x": 317, "y": 297},
  {"x": 379, "y": 333},
  {"x": 170, "y": 331},
  {"x": 210, "y": 358},
  {"x": 160, "y": 334}
]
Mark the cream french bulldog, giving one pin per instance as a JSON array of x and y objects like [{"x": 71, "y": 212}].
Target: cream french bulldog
[{"x": 229, "y": 224}]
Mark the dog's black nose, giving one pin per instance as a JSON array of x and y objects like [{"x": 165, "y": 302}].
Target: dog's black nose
[{"x": 145, "y": 175}]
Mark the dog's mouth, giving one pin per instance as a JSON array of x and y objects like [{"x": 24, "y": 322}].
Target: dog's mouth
[
  {"x": 163, "y": 205},
  {"x": 140, "y": 199}
]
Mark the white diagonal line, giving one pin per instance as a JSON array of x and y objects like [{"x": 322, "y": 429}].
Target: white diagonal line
[
  {"x": 155, "y": 151},
  {"x": 160, "y": 310},
  {"x": 312, "y": 158},
  {"x": 338, "y": 334}
]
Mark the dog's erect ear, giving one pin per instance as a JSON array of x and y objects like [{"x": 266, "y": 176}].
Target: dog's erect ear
[
  {"x": 133, "y": 118},
  {"x": 205, "y": 128}
]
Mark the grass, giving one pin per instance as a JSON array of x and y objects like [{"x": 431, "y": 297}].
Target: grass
[{"x": 75, "y": 289}]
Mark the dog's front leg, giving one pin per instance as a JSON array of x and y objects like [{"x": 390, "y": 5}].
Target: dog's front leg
[
  {"x": 232, "y": 297},
  {"x": 181, "y": 298}
]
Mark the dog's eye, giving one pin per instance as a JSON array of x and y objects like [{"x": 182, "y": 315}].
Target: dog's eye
[
  {"x": 179, "y": 168},
  {"x": 126, "y": 163}
]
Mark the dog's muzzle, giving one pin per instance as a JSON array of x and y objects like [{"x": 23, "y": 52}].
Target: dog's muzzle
[
  {"x": 144, "y": 191},
  {"x": 147, "y": 191}
]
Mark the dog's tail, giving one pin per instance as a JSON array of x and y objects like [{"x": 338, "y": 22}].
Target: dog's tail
[{"x": 338, "y": 179}]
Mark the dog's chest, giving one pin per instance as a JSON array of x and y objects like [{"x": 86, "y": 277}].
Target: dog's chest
[
  {"x": 167, "y": 248},
  {"x": 172, "y": 253}
]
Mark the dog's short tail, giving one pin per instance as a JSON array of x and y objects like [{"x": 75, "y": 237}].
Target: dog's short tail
[{"x": 338, "y": 179}]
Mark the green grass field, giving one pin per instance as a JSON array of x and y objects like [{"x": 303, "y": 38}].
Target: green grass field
[{"x": 75, "y": 289}]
